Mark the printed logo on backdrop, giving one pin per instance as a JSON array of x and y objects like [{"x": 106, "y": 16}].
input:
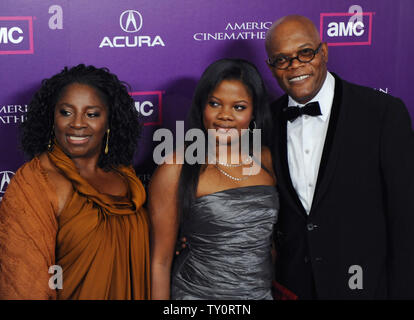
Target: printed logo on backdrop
[
  {"x": 16, "y": 35},
  {"x": 13, "y": 113},
  {"x": 352, "y": 28},
  {"x": 5, "y": 177},
  {"x": 130, "y": 22},
  {"x": 384, "y": 90},
  {"x": 149, "y": 106},
  {"x": 251, "y": 30},
  {"x": 145, "y": 179}
]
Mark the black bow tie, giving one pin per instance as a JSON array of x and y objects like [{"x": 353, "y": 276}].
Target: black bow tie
[{"x": 311, "y": 109}]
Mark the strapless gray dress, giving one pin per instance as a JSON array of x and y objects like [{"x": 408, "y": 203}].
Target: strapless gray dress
[{"x": 228, "y": 256}]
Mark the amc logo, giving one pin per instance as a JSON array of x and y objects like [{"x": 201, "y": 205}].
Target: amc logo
[
  {"x": 16, "y": 35},
  {"x": 149, "y": 106},
  {"x": 346, "y": 29}
]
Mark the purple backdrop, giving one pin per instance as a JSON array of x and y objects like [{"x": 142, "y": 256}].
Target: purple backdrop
[{"x": 161, "y": 48}]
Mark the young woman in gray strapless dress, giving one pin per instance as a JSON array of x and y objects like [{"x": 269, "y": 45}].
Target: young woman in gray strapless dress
[{"x": 226, "y": 215}]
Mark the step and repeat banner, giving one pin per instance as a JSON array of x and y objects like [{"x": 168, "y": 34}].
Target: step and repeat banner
[{"x": 161, "y": 48}]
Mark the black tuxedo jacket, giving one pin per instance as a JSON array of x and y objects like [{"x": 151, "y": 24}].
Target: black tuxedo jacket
[{"x": 361, "y": 223}]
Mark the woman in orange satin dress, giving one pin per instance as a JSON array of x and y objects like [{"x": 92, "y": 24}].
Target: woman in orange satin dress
[{"x": 76, "y": 207}]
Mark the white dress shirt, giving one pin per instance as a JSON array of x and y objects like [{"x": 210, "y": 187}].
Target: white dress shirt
[{"x": 305, "y": 141}]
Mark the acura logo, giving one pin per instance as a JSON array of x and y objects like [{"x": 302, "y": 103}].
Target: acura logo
[
  {"x": 5, "y": 177},
  {"x": 130, "y": 21}
]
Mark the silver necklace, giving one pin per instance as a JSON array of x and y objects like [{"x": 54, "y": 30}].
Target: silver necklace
[
  {"x": 230, "y": 176},
  {"x": 229, "y": 165},
  {"x": 248, "y": 160}
]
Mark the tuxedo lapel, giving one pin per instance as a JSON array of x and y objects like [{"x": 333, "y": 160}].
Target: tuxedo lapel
[
  {"x": 281, "y": 157},
  {"x": 332, "y": 145},
  {"x": 330, "y": 154}
]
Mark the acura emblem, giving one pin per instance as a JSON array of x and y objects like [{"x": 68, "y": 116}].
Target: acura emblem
[
  {"x": 5, "y": 177},
  {"x": 130, "y": 21}
]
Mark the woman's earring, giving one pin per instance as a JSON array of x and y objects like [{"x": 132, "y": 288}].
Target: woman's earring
[
  {"x": 251, "y": 130},
  {"x": 49, "y": 145},
  {"x": 107, "y": 142}
]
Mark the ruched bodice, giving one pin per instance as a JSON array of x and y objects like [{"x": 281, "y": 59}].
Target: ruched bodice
[
  {"x": 229, "y": 236},
  {"x": 102, "y": 243}
]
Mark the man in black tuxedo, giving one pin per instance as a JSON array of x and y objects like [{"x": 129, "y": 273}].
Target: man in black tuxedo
[{"x": 344, "y": 160}]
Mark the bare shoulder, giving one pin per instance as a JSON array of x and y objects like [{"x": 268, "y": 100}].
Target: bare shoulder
[
  {"x": 162, "y": 197},
  {"x": 167, "y": 175}
]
